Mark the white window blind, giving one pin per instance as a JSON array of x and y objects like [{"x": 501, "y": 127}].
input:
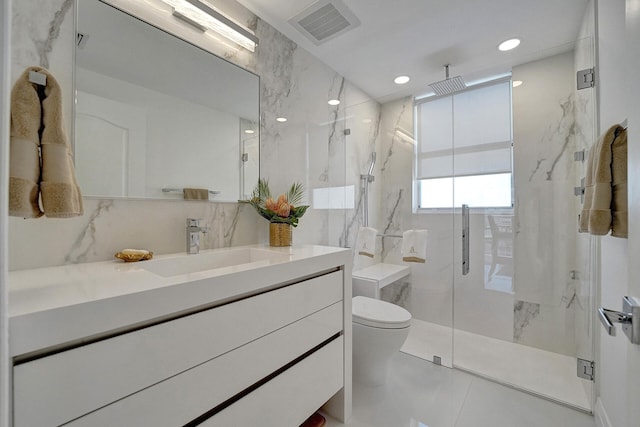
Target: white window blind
[{"x": 466, "y": 134}]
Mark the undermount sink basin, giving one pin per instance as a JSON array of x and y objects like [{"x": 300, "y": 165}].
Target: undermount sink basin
[{"x": 204, "y": 261}]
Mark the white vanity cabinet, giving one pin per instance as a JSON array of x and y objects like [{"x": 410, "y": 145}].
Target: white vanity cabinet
[{"x": 269, "y": 358}]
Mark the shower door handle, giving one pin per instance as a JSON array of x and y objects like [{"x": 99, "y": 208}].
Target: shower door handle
[{"x": 465, "y": 240}]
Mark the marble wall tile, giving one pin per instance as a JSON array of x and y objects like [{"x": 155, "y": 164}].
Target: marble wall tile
[
  {"x": 109, "y": 226},
  {"x": 533, "y": 324},
  {"x": 523, "y": 314},
  {"x": 544, "y": 143},
  {"x": 549, "y": 253},
  {"x": 398, "y": 293}
]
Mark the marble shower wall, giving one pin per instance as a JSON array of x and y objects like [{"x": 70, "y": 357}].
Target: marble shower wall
[
  {"x": 310, "y": 147},
  {"x": 362, "y": 122},
  {"x": 545, "y": 231}
]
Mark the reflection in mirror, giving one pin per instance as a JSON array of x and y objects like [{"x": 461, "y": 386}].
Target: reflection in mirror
[{"x": 154, "y": 112}]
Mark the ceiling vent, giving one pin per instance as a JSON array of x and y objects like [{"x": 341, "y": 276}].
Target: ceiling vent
[{"x": 324, "y": 20}]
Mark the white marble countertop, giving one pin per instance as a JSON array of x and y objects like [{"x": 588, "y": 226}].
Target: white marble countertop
[{"x": 60, "y": 305}]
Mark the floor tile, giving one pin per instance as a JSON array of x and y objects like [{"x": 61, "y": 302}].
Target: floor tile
[
  {"x": 492, "y": 405},
  {"x": 421, "y": 394}
]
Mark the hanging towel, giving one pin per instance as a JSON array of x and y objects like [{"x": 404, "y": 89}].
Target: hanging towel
[
  {"x": 195, "y": 193},
  {"x": 41, "y": 163},
  {"x": 605, "y": 202},
  {"x": 414, "y": 246},
  {"x": 366, "y": 243}
]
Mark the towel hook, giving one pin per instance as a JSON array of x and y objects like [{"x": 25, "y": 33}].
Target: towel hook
[{"x": 38, "y": 78}]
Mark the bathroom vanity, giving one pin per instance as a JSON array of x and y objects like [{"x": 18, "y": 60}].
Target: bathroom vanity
[{"x": 230, "y": 337}]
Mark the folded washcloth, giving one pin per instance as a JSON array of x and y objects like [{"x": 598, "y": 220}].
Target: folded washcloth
[
  {"x": 366, "y": 241},
  {"x": 195, "y": 193},
  {"x": 605, "y": 203},
  {"x": 48, "y": 173},
  {"x": 414, "y": 246}
]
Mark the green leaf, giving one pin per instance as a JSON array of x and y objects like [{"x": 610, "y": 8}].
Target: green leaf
[{"x": 295, "y": 193}]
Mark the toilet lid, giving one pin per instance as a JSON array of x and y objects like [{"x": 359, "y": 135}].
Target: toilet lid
[{"x": 379, "y": 314}]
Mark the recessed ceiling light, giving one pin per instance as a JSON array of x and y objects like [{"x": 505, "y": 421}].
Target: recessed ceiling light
[
  {"x": 281, "y": 119},
  {"x": 517, "y": 83},
  {"x": 509, "y": 44},
  {"x": 249, "y": 131},
  {"x": 400, "y": 80},
  {"x": 334, "y": 101}
]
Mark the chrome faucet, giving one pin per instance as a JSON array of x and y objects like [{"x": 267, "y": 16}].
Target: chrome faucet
[{"x": 193, "y": 235}]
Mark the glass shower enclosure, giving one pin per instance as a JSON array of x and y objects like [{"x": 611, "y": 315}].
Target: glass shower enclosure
[{"x": 507, "y": 183}]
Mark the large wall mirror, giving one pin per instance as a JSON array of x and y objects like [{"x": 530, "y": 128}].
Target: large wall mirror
[{"x": 155, "y": 114}]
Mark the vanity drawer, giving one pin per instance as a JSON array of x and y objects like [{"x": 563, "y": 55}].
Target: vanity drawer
[
  {"x": 184, "y": 397},
  {"x": 291, "y": 397},
  {"x": 72, "y": 383}
]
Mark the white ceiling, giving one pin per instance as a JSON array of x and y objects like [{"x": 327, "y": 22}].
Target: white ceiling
[{"x": 418, "y": 37}]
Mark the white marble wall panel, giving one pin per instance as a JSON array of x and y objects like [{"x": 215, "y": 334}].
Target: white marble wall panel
[
  {"x": 430, "y": 293},
  {"x": 109, "y": 226},
  {"x": 395, "y": 160},
  {"x": 362, "y": 119},
  {"x": 545, "y": 238},
  {"x": 431, "y": 290}
]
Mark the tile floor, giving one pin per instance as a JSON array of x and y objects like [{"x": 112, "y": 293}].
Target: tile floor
[
  {"x": 421, "y": 394},
  {"x": 542, "y": 372}
]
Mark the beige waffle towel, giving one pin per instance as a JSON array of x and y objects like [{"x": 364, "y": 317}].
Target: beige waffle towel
[
  {"x": 195, "y": 193},
  {"x": 605, "y": 202},
  {"x": 41, "y": 163}
]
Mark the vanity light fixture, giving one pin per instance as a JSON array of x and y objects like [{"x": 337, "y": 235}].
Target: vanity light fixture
[
  {"x": 205, "y": 17},
  {"x": 517, "y": 83},
  {"x": 281, "y": 119},
  {"x": 400, "y": 80},
  {"x": 334, "y": 102},
  {"x": 249, "y": 131},
  {"x": 508, "y": 44}
]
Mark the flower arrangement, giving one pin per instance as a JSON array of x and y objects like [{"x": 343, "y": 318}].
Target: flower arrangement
[{"x": 286, "y": 209}]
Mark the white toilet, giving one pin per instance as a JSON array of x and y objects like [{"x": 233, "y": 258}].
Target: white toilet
[{"x": 379, "y": 328}]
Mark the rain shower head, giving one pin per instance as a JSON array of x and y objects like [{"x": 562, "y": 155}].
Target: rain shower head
[{"x": 448, "y": 85}]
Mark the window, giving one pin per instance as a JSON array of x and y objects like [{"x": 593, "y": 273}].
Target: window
[{"x": 464, "y": 148}]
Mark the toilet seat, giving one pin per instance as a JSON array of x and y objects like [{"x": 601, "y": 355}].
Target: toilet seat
[{"x": 379, "y": 314}]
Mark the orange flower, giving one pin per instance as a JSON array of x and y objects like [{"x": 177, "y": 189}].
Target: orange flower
[
  {"x": 284, "y": 210},
  {"x": 282, "y": 199},
  {"x": 271, "y": 204}
]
